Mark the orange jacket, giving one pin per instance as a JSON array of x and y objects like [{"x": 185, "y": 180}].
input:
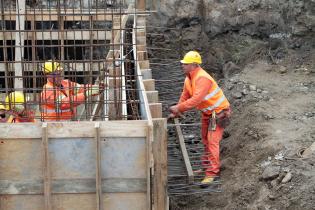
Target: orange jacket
[
  {"x": 60, "y": 103},
  {"x": 203, "y": 93}
]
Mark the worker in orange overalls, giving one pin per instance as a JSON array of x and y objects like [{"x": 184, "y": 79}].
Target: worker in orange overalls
[
  {"x": 14, "y": 110},
  {"x": 203, "y": 93},
  {"x": 60, "y": 97}
]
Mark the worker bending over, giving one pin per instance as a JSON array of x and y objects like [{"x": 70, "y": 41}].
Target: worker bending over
[
  {"x": 60, "y": 97},
  {"x": 203, "y": 93},
  {"x": 14, "y": 110}
]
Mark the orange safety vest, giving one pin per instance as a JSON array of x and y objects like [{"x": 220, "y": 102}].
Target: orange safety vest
[
  {"x": 60, "y": 103},
  {"x": 214, "y": 100}
]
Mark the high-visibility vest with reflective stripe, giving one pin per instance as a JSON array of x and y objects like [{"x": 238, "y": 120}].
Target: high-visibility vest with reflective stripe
[
  {"x": 214, "y": 100},
  {"x": 52, "y": 111}
]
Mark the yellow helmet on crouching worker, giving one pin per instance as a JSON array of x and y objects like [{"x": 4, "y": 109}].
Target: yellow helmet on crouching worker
[
  {"x": 2, "y": 107},
  {"x": 50, "y": 67},
  {"x": 14, "y": 98},
  {"x": 191, "y": 57}
]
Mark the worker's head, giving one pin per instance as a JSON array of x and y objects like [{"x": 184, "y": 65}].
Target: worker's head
[
  {"x": 53, "y": 71},
  {"x": 15, "y": 101},
  {"x": 191, "y": 60}
]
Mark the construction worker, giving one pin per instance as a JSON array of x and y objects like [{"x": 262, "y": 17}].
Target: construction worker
[
  {"x": 60, "y": 97},
  {"x": 203, "y": 93},
  {"x": 14, "y": 110}
]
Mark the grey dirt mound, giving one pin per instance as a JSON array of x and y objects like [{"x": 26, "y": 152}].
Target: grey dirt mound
[{"x": 263, "y": 55}]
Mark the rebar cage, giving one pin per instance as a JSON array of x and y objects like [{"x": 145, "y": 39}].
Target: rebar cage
[{"x": 90, "y": 39}]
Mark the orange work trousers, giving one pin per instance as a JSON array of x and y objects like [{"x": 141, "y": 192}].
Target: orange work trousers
[{"x": 211, "y": 141}]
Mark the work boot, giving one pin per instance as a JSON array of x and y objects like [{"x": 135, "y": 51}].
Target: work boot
[{"x": 206, "y": 182}]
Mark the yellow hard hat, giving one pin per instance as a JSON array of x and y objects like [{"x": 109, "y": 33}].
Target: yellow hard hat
[
  {"x": 50, "y": 67},
  {"x": 2, "y": 106},
  {"x": 14, "y": 98},
  {"x": 191, "y": 57}
]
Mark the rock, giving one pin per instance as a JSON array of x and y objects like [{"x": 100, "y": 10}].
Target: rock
[
  {"x": 230, "y": 87},
  {"x": 265, "y": 92},
  {"x": 287, "y": 177},
  {"x": 271, "y": 197},
  {"x": 245, "y": 92},
  {"x": 274, "y": 183},
  {"x": 254, "y": 94},
  {"x": 259, "y": 90},
  {"x": 282, "y": 70},
  {"x": 252, "y": 87},
  {"x": 250, "y": 133},
  {"x": 271, "y": 172},
  {"x": 237, "y": 95}
]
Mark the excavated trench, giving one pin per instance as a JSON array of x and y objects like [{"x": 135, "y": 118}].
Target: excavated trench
[{"x": 260, "y": 63}]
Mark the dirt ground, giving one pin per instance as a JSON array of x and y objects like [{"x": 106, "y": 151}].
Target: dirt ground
[{"x": 270, "y": 83}]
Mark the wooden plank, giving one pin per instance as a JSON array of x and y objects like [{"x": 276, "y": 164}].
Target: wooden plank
[
  {"x": 73, "y": 186},
  {"x": 141, "y": 4},
  {"x": 153, "y": 96},
  {"x": 144, "y": 64},
  {"x": 56, "y": 35},
  {"x": 184, "y": 152},
  {"x": 99, "y": 200},
  {"x": 141, "y": 47},
  {"x": 74, "y": 129},
  {"x": 112, "y": 201},
  {"x": 156, "y": 110},
  {"x": 159, "y": 148},
  {"x": 142, "y": 55},
  {"x": 142, "y": 40},
  {"x": 146, "y": 73},
  {"x": 47, "y": 174},
  {"x": 149, "y": 84}
]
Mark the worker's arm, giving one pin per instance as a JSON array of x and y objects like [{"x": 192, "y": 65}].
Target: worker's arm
[
  {"x": 64, "y": 102},
  {"x": 184, "y": 96},
  {"x": 203, "y": 85}
]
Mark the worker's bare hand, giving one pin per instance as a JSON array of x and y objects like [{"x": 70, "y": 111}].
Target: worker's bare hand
[
  {"x": 102, "y": 86},
  {"x": 171, "y": 116},
  {"x": 174, "y": 110}
]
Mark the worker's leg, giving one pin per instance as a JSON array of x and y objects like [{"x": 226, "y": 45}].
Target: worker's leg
[
  {"x": 214, "y": 138},
  {"x": 204, "y": 137}
]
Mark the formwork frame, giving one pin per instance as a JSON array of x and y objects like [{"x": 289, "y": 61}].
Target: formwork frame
[{"x": 64, "y": 164}]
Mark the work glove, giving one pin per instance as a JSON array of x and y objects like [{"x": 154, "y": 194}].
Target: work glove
[
  {"x": 19, "y": 107},
  {"x": 94, "y": 90}
]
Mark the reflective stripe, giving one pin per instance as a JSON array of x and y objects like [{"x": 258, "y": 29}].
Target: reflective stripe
[
  {"x": 218, "y": 103},
  {"x": 58, "y": 111},
  {"x": 210, "y": 95},
  {"x": 77, "y": 89}
]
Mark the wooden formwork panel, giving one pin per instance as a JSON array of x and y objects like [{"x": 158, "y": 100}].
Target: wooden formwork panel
[
  {"x": 72, "y": 165},
  {"x": 153, "y": 96},
  {"x": 112, "y": 201},
  {"x": 149, "y": 84}
]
